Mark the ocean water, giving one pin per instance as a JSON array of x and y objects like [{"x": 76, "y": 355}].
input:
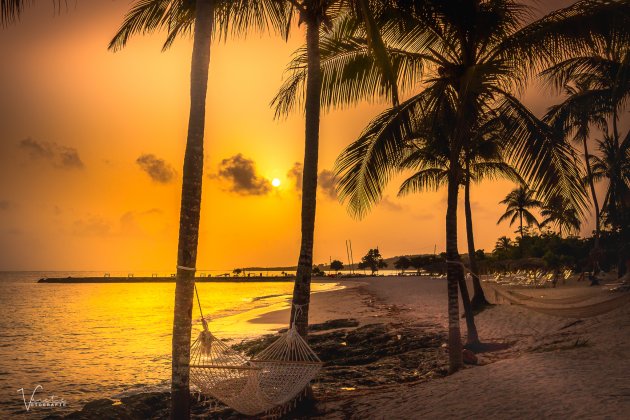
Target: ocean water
[{"x": 80, "y": 342}]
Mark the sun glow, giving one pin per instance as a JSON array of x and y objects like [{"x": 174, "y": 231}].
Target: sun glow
[{"x": 275, "y": 182}]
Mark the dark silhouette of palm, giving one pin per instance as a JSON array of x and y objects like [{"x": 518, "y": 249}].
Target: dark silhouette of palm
[
  {"x": 613, "y": 165},
  {"x": 470, "y": 56},
  {"x": 597, "y": 86},
  {"x": 559, "y": 213},
  {"x": 205, "y": 19},
  {"x": 519, "y": 202},
  {"x": 307, "y": 85}
]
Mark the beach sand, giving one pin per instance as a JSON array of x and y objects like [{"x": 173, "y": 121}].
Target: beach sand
[{"x": 555, "y": 367}]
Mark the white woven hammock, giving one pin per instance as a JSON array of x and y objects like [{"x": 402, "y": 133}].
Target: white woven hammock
[{"x": 272, "y": 378}]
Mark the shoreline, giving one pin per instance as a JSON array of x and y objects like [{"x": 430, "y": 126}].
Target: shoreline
[
  {"x": 382, "y": 329},
  {"x": 172, "y": 279}
]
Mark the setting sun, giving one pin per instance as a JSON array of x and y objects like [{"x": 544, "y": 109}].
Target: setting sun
[{"x": 275, "y": 182}]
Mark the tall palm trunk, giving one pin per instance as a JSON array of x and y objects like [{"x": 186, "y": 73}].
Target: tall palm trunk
[
  {"x": 455, "y": 274},
  {"x": 479, "y": 298},
  {"x": 190, "y": 209},
  {"x": 302, "y": 287},
  {"x": 472, "y": 338},
  {"x": 592, "y": 186}
]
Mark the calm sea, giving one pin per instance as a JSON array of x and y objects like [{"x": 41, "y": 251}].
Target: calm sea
[{"x": 79, "y": 342}]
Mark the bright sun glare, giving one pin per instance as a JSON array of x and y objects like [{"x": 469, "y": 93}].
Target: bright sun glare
[{"x": 275, "y": 182}]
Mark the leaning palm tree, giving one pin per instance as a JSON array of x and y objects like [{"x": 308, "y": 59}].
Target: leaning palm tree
[
  {"x": 520, "y": 201},
  {"x": 209, "y": 18},
  {"x": 470, "y": 56},
  {"x": 558, "y": 212}
]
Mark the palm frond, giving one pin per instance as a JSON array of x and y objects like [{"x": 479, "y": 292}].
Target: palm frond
[
  {"x": 177, "y": 17},
  {"x": 541, "y": 157},
  {"x": 574, "y": 30},
  {"x": 363, "y": 169},
  {"x": 425, "y": 180},
  {"x": 10, "y": 10},
  {"x": 351, "y": 70}
]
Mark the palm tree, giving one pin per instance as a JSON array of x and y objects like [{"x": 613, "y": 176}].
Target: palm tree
[
  {"x": 483, "y": 160},
  {"x": 558, "y": 212},
  {"x": 613, "y": 165},
  {"x": 596, "y": 86},
  {"x": 519, "y": 202},
  {"x": 209, "y": 18},
  {"x": 431, "y": 163},
  {"x": 314, "y": 14},
  {"x": 503, "y": 244},
  {"x": 470, "y": 54},
  {"x": 576, "y": 115},
  {"x": 599, "y": 85}
]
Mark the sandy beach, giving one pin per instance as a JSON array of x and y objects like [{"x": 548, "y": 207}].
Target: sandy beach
[
  {"x": 555, "y": 367},
  {"x": 383, "y": 342}
]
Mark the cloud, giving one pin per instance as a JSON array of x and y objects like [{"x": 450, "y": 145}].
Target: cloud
[
  {"x": 295, "y": 175},
  {"x": 326, "y": 182},
  {"x": 59, "y": 156},
  {"x": 69, "y": 158},
  {"x": 390, "y": 205},
  {"x": 5, "y": 205},
  {"x": 240, "y": 173},
  {"x": 159, "y": 171}
]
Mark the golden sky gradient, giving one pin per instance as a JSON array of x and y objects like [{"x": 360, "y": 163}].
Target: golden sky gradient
[{"x": 83, "y": 130}]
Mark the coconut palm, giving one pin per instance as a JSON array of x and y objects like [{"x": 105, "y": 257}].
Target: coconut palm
[
  {"x": 558, "y": 212},
  {"x": 209, "y": 18},
  {"x": 315, "y": 14},
  {"x": 613, "y": 165},
  {"x": 519, "y": 202},
  {"x": 503, "y": 244},
  {"x": 430, "y": 160},
  {"x": 575, "y": 115},
  {"x": 482, "y": 160},
  {"x": 596, "y": 87},
  {"x": 470, "y": 56}
]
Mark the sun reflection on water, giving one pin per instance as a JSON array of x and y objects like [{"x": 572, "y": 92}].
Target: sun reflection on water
[{"x": 87, "y": 341}]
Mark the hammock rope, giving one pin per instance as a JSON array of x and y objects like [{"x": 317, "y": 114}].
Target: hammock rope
[
  {"x": 272, "y": 378},
  {"x": 558, "y": 307},
  {"x": 566, "y": 310}
]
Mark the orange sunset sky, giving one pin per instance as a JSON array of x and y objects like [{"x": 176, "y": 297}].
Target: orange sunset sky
[{"x": 92, "y": 142}]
